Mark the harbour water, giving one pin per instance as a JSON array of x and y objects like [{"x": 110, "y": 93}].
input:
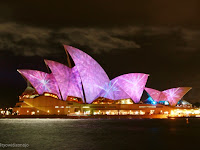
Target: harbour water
[{"x": 100, "y": 134}]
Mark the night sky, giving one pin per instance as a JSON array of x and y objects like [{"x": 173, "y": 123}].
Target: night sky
[{"x": 160, "y": 38}]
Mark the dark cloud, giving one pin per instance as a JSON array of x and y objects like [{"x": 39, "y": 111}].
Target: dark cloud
[{"x": 30, "y": 41}]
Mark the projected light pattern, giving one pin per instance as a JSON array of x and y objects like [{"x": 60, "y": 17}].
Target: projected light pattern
[
  {"x": 62, "y": 76},
  {"x": 171, "y": 95},
  {"x": 162, "y": 97},
  {"x": 92, "y": 74},
  {"x": 75, "y": 85},
  {"x": 150, "y": 100},
  {"x": 175, "y": 94},
  {"x": 155, "y": 94},
  {"x": 133, "y": 84},
  {"x": 68, "y": 79},
  {"x": 41, "y": 81},
  {"x": 113, "y": 91}
]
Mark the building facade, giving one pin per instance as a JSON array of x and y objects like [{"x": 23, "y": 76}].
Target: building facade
[{"x": 85, "y": 89}]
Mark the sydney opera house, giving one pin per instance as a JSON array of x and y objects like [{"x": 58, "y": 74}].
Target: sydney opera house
[{"x": 85, "y": 89}]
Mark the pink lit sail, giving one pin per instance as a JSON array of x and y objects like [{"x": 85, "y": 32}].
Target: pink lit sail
[
  {"x": 112, "y": 90},
  {"x": 62, "y": 76},
  {"x": 155, "y": 94},
  {"x": 75, "y": 85},
  {"x": 41, "y": 81},
  {"x": 175, "y": 94},
  {"x": 162, "y": 97},
  {"x": 92, "y": 74},
  {"x": 133, "y": 84},
  {"x": 171, "y": 95},
  {"x": 68, "y": 79}
]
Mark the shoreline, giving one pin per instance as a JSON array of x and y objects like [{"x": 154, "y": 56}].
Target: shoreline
[{"x": 92, "y": 117}]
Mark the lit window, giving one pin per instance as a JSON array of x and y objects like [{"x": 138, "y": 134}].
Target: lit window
[
  {"x": 86, "y": 107},
  {"x": 142, "y": 112},
  {"x": 136, "y": 112},
  {"x": 152, "y": 112},
  {"x": 87, "y": 112},
  {"x": 108, "y": 112},
  {"x": 166, "y": 112}
]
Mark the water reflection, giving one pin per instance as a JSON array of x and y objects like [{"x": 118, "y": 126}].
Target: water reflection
[{"x": 101, "y": 133}]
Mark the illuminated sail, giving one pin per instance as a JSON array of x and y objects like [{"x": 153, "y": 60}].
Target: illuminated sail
[
  {"x": 113, "y": 91},
  {"x": 175, "y": 94},
  {"x": 133, "y": 84},
  {"x": 41, "y": 81},
  {"x": 155, "y": 94},
  {"x": 172, "y": 95},
  {"x": 92, "y": 74},
  {"x": 68, "y": 79}
]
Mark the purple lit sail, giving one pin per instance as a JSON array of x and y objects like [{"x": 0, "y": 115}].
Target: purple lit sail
[
  {"x": 133, "y": 84},
  {"x": 92, "y": 74},
  {"x": 68, "y": 79},
  {"x": 62, "y": 76},
  {"x": 175, "y": 94},
  {"x": 75, "y": 85},
  {"x": 112, "y": 90},
  {"x": 155, "y": 94},
  {"x": 41, "y": 81},
  {"x": 162, "y": 97},
  {"x": 171, "y": 95}
]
